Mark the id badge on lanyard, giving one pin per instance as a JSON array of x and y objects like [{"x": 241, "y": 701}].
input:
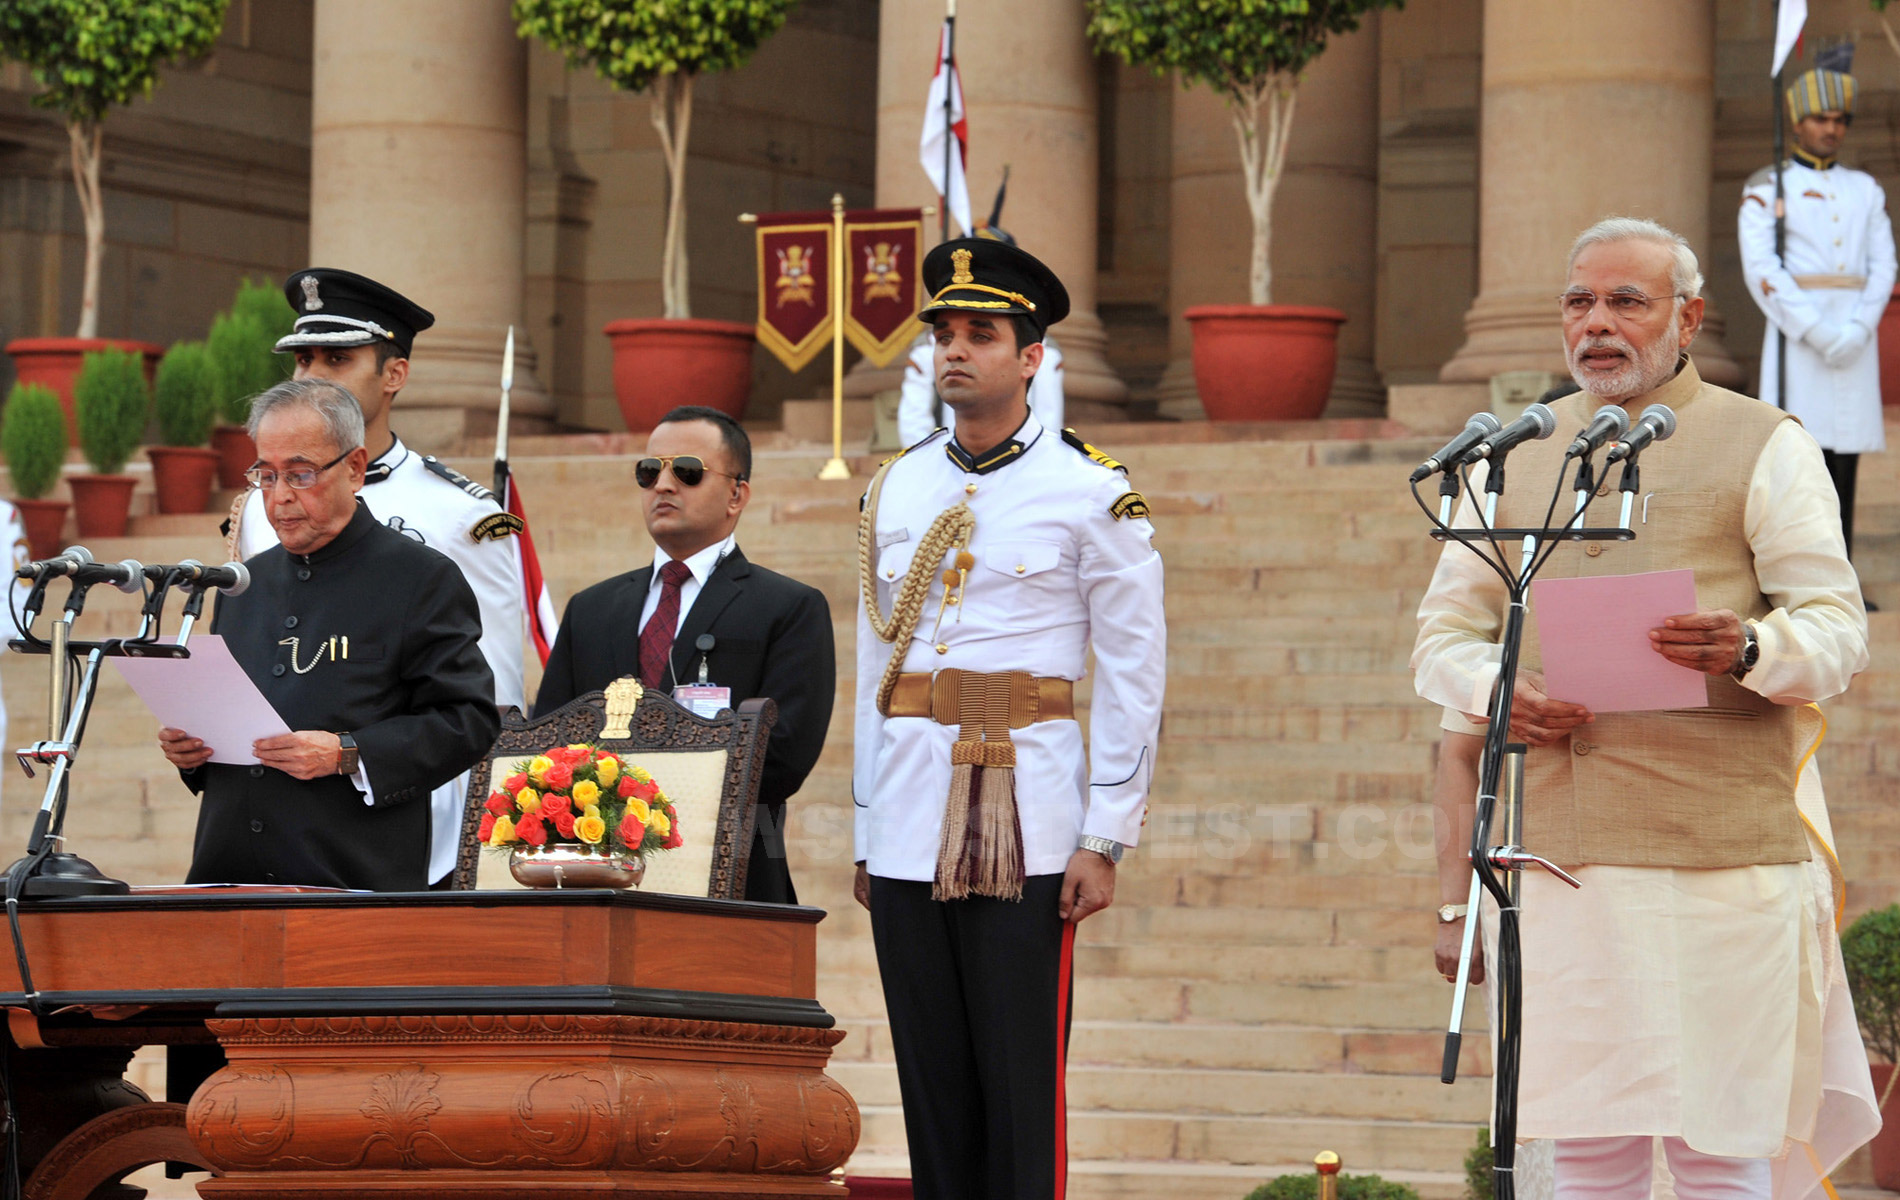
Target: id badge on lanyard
[{"x": 704, "y": 699}]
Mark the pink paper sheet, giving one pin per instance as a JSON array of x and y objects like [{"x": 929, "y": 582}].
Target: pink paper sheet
[{"x": 1594, "y": 635}]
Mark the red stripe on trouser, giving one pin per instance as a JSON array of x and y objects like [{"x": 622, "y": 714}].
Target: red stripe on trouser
[{"x": 1064, "y": 978}]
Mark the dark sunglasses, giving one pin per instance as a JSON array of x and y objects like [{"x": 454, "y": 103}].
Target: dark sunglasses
[{"x": 689, "y": 469}]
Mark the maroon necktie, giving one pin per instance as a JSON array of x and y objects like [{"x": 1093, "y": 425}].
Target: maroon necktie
[{"x": 656, "y": 640}]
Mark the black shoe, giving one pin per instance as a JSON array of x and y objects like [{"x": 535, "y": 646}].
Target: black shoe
[{"x": 1870, "y": 605}]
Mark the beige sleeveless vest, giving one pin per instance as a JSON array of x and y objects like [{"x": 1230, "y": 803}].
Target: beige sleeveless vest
[{"x": 1705, "y": 787}]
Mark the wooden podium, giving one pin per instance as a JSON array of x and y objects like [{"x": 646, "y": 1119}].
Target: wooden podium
[{"x": 454, "y": 1044}]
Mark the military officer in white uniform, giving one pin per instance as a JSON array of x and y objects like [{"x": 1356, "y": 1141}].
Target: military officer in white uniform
[
  {"x": 357, "y": 332},
  {"x": 918, "y": 409},
  {"x": 992, "y": 562},
  {"x": 1838, "y": 276}
]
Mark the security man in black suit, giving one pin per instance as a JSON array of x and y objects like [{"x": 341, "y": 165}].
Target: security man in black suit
[
  {"x": 752, "y": 631},
  {"x": 367, "y": 644}
]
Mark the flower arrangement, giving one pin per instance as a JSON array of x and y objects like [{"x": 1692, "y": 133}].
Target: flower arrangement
[{"x": 583, "y": 796}]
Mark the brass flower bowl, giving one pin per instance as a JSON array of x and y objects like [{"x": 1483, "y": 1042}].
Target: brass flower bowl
[{"x": 564, "y": 865}]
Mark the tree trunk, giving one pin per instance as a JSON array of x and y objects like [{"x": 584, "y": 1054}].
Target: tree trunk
[
  {"x": 673, "y": 117},
  {"x": 87, "y": 138},
  {"x": 1262, "y": 161}
]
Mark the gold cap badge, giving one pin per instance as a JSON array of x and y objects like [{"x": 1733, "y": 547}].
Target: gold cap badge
[{"x": 960, "y": 262}]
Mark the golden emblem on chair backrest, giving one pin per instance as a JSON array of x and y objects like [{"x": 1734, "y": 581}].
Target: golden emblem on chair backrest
[{"x": 623, "y": 696}]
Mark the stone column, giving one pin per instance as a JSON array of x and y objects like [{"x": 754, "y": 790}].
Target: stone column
[
  {"x": 1030, "y": 88},
  {"x": 1325, "y": 217},
  {"x": 418, "y": 166},
  {"x": 1578, "y": 126}
]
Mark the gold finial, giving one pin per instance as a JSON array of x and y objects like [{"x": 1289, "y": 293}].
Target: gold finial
[
  {"x": 623, "y": 696},
  {"x": 960, "y": 262},
  {"x": 1327, "y": 1164}
]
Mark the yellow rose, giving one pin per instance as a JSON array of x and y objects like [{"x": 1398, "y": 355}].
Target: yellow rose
[
  {"x": 586, "y": 793},
  {"x": 659, "y": 823},
  {"x": 528, "y": 800},
  {"x": 539, "y": 767},
  {"x": 637, "y": 808},
  {"x": 590, "y": 810},
  {"x": 640, "y": 775},
  {"x": 502, "y": 833},
  {"x": 579, "y": 746},
  {"x": 608, "y": 770},
  {"x": 590, "y": 830}
]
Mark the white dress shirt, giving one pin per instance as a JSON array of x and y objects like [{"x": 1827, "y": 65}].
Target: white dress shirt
[{"x": 701, "y": 564}]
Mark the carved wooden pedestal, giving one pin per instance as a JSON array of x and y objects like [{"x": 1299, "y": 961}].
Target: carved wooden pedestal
[{"x": 516, "y": 1106}]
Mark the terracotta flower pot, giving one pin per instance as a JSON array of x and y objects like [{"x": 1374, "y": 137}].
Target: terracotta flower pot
[
  {"x": 102, "y": 504},
  {"x": 1885, "y": 1147},
  {"x": 1264, "y": 362},
  {"x": 236, "y": 452},
  {"x": 660, "y": 365},
  {"x": 45, "y": 522},
  {"x": 54, "y": 362},
  {"x": 182, "y": 476}
]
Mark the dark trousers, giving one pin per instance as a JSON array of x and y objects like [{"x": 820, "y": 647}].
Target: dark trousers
[
  {"x": 978, "y": 995},
  {"x": 1842, "y": 468}
]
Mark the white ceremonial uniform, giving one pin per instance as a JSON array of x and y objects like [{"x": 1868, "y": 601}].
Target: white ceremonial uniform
[
  {"x": 1840, "y": 268},
  {"x": 917, "y": 408},
  {"x": 12, "y": 535},
  {"x": 1659, "y": 1016},
  {"x": 420, "y": 504},
  {"x": 1056, "y": 574}
]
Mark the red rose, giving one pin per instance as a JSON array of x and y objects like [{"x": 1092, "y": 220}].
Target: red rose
[
  {"x": 487, "y": 828},
  {"x": 602, "y": 756},
  {"x": 673, "y": 840},
  {"x": 563, "y": 822},
  {"x": 514, "y": 783},
  {"x": 625, "y": 787},
  {"x": 632, "y": 832},
  {"x": 499, "y": 804},
  {"x": 553, "y": 803},
  {"x": 647, "y": 790},
  {"x": 559, "y": 777},
  {"x": 532, "y": 830}
]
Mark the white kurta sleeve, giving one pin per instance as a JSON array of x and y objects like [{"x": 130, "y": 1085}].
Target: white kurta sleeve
[
  {"x": 1878, "y": 289},
  {"x": 1120, "y": 577},
  {"x": 1814, "y": 641},
  {"x": 1772, "y": 288},
  {"x": 1455, "y": 660}
]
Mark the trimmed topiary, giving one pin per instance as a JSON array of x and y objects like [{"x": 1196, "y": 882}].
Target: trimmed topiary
[
  {"x": 33, "y": 438},
  {"x": 185, "y": 396},
  {"x": 111, "y": 403},
  {"x": 1305, "y": 1186}
]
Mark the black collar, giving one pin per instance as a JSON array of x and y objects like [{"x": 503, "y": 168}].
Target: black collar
[
  {"x": 361, "y": 522},
  {"x": 1808, "y": 160},
  {"x": 995, "y": 458},
  {"x": 386, "y": 463}
]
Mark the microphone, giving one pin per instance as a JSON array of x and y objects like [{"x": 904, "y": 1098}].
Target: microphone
[
  {"x": 64, "y": 563},
  {"x": 128, "y": 575},
  {"x": 232, "y": 578},
  {"x": 1655, "y": 425},
  {"x": 1610, "y": 423},
  {"x": 1537, "y": 423},
  {"x": 1481, "y": 425}
]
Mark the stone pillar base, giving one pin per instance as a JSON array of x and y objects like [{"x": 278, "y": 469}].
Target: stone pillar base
[
  {"x": 1086, "y": 375},
  {"x": 454, "y": 390}
]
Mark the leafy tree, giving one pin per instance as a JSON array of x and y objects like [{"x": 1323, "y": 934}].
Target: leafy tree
[
  {"x": 639, "y": 44},
  {"x": 185, "y": 395},
  {"x": 33, "y": 438},
  {"x": 1252, "y": 52},
  {"x": 88, "y": 56},
  {"x": 1870, "y": 953},
  {"x": 111, "y": 402}
]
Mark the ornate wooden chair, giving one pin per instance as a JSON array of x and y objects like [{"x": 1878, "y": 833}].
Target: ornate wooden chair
[{"x": 708, "y": 766}]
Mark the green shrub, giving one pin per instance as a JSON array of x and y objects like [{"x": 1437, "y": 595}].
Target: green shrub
[
  {"x": 1305, "y": 1186},
  {"x": 1870, "y": 953},
  {"x": 1480, "y": 1178},
  {"x": 111, "y": 404},
  {"x": 262, "y": 301},
  {"x": 185, "y": 395},
  {"x": 33, "y": 438},
  {"x": 239, "y": 348}
]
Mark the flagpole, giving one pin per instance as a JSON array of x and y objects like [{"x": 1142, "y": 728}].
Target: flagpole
[
  {"x": 501, "y": 422},
  {"x": 837, "y": 467},
  {"x": 949, "y": 113}
]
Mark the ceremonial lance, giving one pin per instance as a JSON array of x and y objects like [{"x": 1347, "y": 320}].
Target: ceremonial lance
[{"x": 501, "y": 424}]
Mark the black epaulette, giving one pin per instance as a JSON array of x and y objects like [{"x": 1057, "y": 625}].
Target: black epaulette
[
  {"x": 1075, "y": 441},
  {"x": 444, "y": 471},
  {"x": 901, "y": 453}
]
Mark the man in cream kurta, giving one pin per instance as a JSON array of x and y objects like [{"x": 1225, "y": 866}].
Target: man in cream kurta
[{"x": 1691, "y": 989}]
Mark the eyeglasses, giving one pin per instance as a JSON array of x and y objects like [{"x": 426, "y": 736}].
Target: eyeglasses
[
  {"x": 297, "y": 477},
  {"x": 689, "y": 469},
  {"x": 1629, "y": 304}
]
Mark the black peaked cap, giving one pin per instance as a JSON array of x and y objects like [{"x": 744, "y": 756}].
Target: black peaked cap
[
  {"x": 342, "y": 308},
  {"x": 982, "y": 275}
]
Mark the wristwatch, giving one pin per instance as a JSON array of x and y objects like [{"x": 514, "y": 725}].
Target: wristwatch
[
  {"x": 346, "y": 754},
  {"x": 1751, "y": 651},
  {"x": 1447, "y": 913},
  {"x": 1106, "y": 847}
]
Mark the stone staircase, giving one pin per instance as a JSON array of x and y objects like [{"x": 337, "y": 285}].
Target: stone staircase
[{"x": 1262, "y": 988}]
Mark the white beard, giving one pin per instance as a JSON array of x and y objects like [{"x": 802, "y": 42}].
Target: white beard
[{"x": 1640, "y": 373}]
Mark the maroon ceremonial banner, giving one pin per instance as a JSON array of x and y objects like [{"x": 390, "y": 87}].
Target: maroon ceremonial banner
[
  {"x": 795, "y": 285},
  {"x": 883, "y": 250}
]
